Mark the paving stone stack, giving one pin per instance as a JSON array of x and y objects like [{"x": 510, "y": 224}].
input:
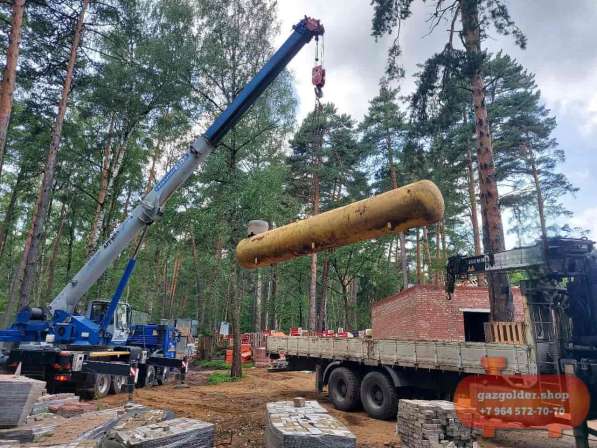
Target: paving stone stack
[
  {"x": 433, "y": 424},
  {"x": 22, "y": 393},
  {"x": 307, "y": 425},
  {"x": 288, "y": 407},
  {"x": 176, "y": 433}
]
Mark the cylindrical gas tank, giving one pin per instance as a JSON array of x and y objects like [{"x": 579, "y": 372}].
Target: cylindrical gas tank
[{"x": 414, "y": 205}]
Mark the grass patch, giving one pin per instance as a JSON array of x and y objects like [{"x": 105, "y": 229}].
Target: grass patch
[
  {"x": 220, "y": 377},
  {"x": 212, "y": 364}
]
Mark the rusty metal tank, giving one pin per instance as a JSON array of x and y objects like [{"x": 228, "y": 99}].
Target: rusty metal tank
[{"x": 414, "y": 205}]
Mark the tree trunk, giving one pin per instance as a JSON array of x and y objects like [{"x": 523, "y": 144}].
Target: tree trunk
[
  {"x": 322, "y": 303},
  {"x": 418, "y": 257},
  {"x": 199, "y": 301},
  {"x": 236, "y": 371},
  {"x": 9, "y": 217},
  {"x": 354, "y": 289},
  {"x": 500, "y": 297},
  {"x": 152, "y": 170},
  {"x": 312, "y": 322},
  {"x": 10, "y": 74},
  {"x": 273, "y": 299},
  {"x": 174, "y": 284},
  {"x": 394, "y": 180},
  {"x": 258, "y": 301},
  {"x": 472, "y": 197},
  {"x": 54, "y": 255},
  {"x": 437, "y": 272},
  {"x": 538, "y": 191},
  {"x": 427, "y": 253},
  {"x": 101, "y": 196},
  {"x": 36, "y": 235},
  {"x": 346, "y": 303},
  {"x": 165, "y": 288}
]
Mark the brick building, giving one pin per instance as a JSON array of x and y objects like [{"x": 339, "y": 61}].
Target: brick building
[{"x": 423, "y": 312}]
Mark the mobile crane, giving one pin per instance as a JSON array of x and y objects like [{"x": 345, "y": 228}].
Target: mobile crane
[{"x": 62, "y": 347}]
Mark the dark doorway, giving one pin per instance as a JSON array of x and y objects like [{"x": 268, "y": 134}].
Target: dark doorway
[{"x": 474, "y": 325}]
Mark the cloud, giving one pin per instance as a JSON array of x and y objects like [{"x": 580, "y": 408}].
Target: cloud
[
  {"x": 587, "y": 220},
  {"x": 560, "y": 52}
]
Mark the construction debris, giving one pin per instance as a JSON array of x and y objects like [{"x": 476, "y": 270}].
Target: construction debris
[
  {"x": 71, "y": 409},
  {"x": 307, "y": 426},
  {"x": 176, "y": 433},
  {"x": 21, "y": 392},
  {"x": 29, "y": 433},
  {"x": 433, "y": 424},
  {"x": 45, "y": 401}
]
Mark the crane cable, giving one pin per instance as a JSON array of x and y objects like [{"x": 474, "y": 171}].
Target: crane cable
[{"x": 318, "y": 81}]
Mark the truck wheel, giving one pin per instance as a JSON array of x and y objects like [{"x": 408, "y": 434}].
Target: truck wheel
[
  {"x": 118, "y": 383},
  {"x": 379, "y": 396},
  {"x": 150, "y": 376},
  {"x": 343, "y": 389},
  {"x": 163, "y": 376},
  {"x": 102, "y": 385}
]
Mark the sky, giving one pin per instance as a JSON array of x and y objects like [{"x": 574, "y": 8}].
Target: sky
[{"x": 561, "y": 51}]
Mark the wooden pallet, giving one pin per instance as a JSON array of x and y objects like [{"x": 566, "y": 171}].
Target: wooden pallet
[{"x": 505, "y": 332}]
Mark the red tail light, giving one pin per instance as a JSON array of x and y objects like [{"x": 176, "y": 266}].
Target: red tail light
[{"x": 62, "y": 378}]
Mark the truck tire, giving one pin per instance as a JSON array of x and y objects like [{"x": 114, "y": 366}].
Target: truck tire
[
  {"x": 162, "y": 376},
  {"x": 103, "y": 383},
  {"x": 118, "y": 382},
  {"x": 379, "y": 396},
  {"x": 344, "y": 389}
]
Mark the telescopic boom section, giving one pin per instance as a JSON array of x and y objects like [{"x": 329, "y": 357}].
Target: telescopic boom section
[{"x": 152, "y": 204}]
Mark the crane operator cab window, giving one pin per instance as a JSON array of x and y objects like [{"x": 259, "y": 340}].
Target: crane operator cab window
[{"x": 120, "y": 320}]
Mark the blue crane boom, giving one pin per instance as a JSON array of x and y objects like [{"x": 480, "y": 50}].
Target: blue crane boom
[{"x": 152, "y": 204}]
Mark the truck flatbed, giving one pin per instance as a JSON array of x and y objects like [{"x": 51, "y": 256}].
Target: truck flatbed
[{"x": 462, "y": 357}]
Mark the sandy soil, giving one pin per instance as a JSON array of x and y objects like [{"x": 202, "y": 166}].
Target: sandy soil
[{"x": 238, "y": 410}]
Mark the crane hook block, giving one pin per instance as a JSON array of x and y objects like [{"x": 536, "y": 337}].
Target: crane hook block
[{"x": 318, "y": 76}]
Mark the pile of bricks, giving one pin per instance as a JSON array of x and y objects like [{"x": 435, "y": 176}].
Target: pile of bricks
[
  {"x": 71, "y": 409},
  {"x": 433, "y": 424},
  {"x": 19, "y": 394},
  {"x": 261, "y": 358},
  {"x": 304, "y": 424}
]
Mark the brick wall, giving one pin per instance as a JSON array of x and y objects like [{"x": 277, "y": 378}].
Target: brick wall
[{"x": 423, "y": 312}]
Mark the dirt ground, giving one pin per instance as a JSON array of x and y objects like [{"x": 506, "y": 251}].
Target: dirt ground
[{"x": 238, "y": 410}]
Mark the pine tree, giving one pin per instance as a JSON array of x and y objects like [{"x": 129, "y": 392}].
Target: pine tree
[
  {"x": 475, "y": 17},
  {"x": 385, "y": 129}
]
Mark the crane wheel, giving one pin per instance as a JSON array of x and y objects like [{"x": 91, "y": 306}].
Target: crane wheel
[
  {"x": 102, "y": 385},
  {"x": 118, "y": 382},
  {"x": 162, "y": 375}
]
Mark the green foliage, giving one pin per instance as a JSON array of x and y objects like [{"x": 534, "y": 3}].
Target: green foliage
[
  {"x": 152, "y": 74},
  {"x": 212, "y": 364},
  {"x": 219, "y": 378}
]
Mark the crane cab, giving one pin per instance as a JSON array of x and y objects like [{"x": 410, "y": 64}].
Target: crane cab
[{"x": 120, "y": 325}]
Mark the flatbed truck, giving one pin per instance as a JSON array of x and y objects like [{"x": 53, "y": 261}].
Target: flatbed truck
[{"x": 560, "y": 339}]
